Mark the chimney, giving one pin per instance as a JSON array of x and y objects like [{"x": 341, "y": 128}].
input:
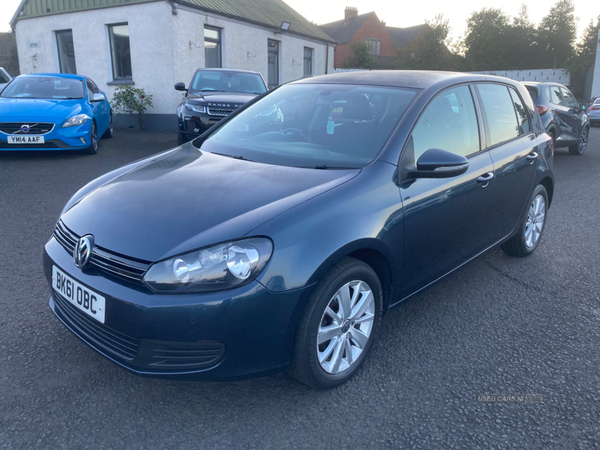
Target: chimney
[{"x": 350, "y": 12}]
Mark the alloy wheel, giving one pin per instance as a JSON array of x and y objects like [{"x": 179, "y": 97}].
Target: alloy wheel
[
  {"x": 94, "y": 138},
  {"x": 535, "y": 221},
  {"x": 345, "y": 327},
  {"x": 583, "y": 140}
]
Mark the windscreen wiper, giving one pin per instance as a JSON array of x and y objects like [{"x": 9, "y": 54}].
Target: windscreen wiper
[
  {"x": 233, "y": 156},
  {"x": 326, "y": 167}
]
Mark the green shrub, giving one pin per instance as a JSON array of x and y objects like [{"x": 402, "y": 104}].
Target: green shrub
[{"x": 131, "y": 100}]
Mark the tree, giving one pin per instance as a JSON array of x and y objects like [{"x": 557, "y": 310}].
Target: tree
[
  {"x": 584, "y": 57},
  {"x": 485, "y": 48},
  {"x": 429, "y": 51},
  {"x": 556, "y": 35},
  {"x": 521, "y": 42},
  {"x": 360, "y": 57}
]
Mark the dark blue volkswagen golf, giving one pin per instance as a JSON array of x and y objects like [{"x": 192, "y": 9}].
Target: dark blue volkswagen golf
[{"x": 279, "y": 238}]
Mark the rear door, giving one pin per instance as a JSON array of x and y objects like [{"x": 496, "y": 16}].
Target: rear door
[
  {"x": 512, "y": 145},
  {"x": 446, "y": 220},
  {"x": 565, "y": 135}
]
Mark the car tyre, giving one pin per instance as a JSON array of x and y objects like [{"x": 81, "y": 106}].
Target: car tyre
[
  {"x": 334, "y": 361},
  {"x": 109, "y": 132},
  {"x": 93, "y": 148},
  {"x": 579, "y": 148},
  {"x": 530, "y": 232}
]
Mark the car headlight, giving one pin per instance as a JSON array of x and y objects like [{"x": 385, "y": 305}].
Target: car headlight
[
  {"x": 220, "y": 267},
  {"x": 79, "y": 119},
  {"x": 195, "y": 107}
]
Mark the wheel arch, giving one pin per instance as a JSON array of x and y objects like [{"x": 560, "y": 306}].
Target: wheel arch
[
  {"x": 373, "y": 253},
  {"x": 549, "y": 185}
]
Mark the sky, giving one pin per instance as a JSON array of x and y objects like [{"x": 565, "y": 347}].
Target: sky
[{"x": 403, "y": 13}]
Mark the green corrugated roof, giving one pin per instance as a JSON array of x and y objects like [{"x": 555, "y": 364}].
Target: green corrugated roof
[
  {"x": 265, "y": 12},
  {"x": 36, "y": 8}
]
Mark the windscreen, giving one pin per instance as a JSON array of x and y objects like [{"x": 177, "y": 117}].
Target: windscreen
[
  {"x": 308, "y": 125},
  {"x": 44, "y": 87},
  {"x": 217, "y": 81}
]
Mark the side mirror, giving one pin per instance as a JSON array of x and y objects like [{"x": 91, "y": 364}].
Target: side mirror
[
  {"x": 437, "y": 163},
  {"x": 98, "y": 98},
  {"x": 180, "y": 87}
]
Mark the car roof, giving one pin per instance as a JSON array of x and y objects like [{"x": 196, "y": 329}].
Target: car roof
[
  {"x": 419, "y": 79},
  {"x": 56, "y": 75},
  {"x": 542, "y": 83}
]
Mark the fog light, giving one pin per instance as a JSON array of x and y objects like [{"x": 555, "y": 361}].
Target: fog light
[{"x": 82, "y": 140}]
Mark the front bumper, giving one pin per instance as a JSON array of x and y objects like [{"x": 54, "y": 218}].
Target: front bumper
[
  {"x": 192, "y": 125},
  {"x": 213, "y": 336},
  {"x": 72, "y": 138}
]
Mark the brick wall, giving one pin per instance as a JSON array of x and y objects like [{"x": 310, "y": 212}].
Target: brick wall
[{"x": 372, "y": 28}]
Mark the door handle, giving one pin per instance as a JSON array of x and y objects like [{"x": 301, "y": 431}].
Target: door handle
[
  {"x": 485, "y": 179},
  {"x": 532, "y": 157}
]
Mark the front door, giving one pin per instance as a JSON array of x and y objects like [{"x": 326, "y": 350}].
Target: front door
[
  {"x": 66, "y": 51},
  {"x": 445, "y": 220},
  {"x": 273, "y": 63}
]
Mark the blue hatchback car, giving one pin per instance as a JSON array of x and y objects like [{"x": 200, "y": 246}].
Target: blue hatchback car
[{"x": 53, "y": 112}]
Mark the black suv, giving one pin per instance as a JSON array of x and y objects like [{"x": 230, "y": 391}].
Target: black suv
[
  {"x": 564, "y": 120},
  {"x": 212, "y": 95}
]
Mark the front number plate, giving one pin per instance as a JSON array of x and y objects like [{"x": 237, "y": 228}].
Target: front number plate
[
  {"x": 88, "y": 301},
  {"x": 26, "y": 140}
]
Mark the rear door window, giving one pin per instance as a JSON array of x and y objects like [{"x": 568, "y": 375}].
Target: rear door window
[
  {"x": 500, "y": 112},
  {"x": 554, "y": 94},
  {"x": 448, "y": 123},
  {"x": 522, "y": 114}
]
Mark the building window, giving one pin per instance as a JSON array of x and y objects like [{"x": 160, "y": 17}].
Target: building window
[
  {"x": 66, "y": 51},
  {"x": 273, "y": 63},
  {"x": 308, "y": 61},
  {"x": 120, "y": 51},
  {"x": 374, "y": 46},
  {"x": 212, "y": 47}
]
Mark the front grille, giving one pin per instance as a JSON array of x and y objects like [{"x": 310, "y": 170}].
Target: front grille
[
  {"x": 105, "y": 339},
  {"x": 181, "y": 355},
  {"x": 34, "y": 128},
  {"x": 113, "y": 263},
  {"x": 220, "y": 110}
]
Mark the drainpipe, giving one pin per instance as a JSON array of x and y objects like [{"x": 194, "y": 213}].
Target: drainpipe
[{"x": 327, "y": 58}]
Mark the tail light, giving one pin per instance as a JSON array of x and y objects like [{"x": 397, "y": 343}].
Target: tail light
[
  {"x": 594, "y": 108},
  {"x": 541, "y": 109}
]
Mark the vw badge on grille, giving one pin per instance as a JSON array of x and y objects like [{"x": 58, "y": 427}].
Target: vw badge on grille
[
  {"x": 83, "y": 250},
  {"x": 25, "y": 128}
]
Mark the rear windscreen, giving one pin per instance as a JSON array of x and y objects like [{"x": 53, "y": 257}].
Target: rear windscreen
[{"x": 533, "y": 92}]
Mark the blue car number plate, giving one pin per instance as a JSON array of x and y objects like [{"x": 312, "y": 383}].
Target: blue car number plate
[
  {"x": 26, "y": 139},
  {"x": 85, "y": 299}
]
